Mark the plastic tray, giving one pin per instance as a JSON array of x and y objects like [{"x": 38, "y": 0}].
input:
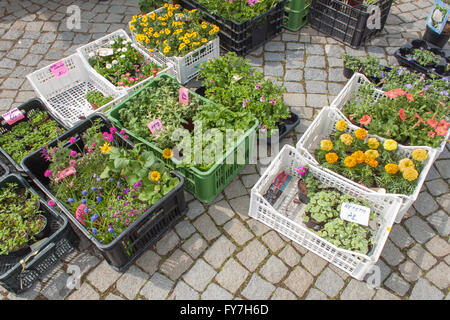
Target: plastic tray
[
  {"x": 287, "y": 221},
  {"x": 19, "y": 273},
  {"x": 205, "y": 185},
  {"x": 438, "y": 69},
  {"x": 27, "y": 109},
  {"x": 63, "y": 85},
  {"x": 246, "y": 36},
  {"x": 85, "y": 50},
  {"x": 146, "y": 230},
  {"x": 323, "y": 127},
  {"x": 347, "y": 21},
  {"x": 350, "y": 91},
  {"x": 185, "y": 68}
]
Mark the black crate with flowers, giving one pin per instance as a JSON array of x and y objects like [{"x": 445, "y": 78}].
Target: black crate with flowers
[
  {"x": 244, "y": 25},
  {"x": 33, "y": 236},
  {"x": 117, "y": 194},
  {"x": 25, "y": 129}
]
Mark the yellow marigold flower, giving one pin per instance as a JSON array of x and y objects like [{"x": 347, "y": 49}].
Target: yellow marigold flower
[
  {"x": 196, "y": 43},
  {"x": 186, "y": 40},
  {"x": 371, "y": 162},
  {"x": 405, "y": 163},
  {"x": 419, "y": 154},
  {"x": 349, "y": 162},
  {"x": 182, "y": 45},
  {"x": 358, "y": 156},
  {"x": 341, "y": 125},
  {"x": 144, "y": 19},
  {"x": 372, "y": 154},
  {"x": 166, "y": 49},
  {"x": 167, "y": 31},
  {"x": 346, "y": 139},
  {"x": 390, "y": 145},
  {"x": 361, "y": 133},
  {"x": 410, "y": 174},
  {"x": 131, "y": 28},
  {"x": 152, "y": 16},
  {"x": 216, "y": 28},
  {"x": 165, "y": 5},
  {"x": 373, "y": 143},
  {"x": 155, "y": 176},
  {"x": 204, "y": 40},
  {"x": 211, "y": 32},
  {"x": 331, "y": 157},
  {"x": 326, "y": 145},
  {"x": 106, "y": 148},
  {"x": 156, "y": 35},
  {"x": 167, "y": 153},
  {"x": 391, "y": 168},
  {"x": 204, "y": 26}
]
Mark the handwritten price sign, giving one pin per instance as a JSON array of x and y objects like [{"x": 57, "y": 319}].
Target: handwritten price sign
[
  {"x": 184, "y": 96},
  {"x": 355, "y": 213},
  {"x": 155, "y": 127},
  {"x": 12, "y": 116},
  {"x": 59, "y": 69}
]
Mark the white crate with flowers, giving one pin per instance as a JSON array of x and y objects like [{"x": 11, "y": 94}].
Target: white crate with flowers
[
  {"x": 369, "y": 162},
  {"x": 320, "y": 211},
  {"x": 121, "y": 62},
  {"x": 178, "y": 37}
]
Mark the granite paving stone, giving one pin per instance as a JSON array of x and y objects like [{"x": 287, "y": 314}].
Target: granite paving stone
[
  {"x": 157, "y": 287},
  {"x": 232, "y": 275},
  {"x": 199, "y": 275},
  {"x": 253, "y": 254},
  {"x": 221, "y": 249},
  {"x": 329, "y": 282},
  {"x": 175, "y": 265},
  {"x": 424, "y": 290},
  {"x": 421, "y": 257},
  {"x": 258, "y": 288},
  {"x": 298, "y": 281}
]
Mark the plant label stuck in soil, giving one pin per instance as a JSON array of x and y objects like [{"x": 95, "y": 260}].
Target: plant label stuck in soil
[
  {"x": 184, "y": 96},
  {"x": 155, "y": 127},
  {"x": 355, "y": 213}
]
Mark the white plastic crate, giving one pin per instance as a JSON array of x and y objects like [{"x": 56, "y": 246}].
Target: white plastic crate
[
  {"x": 65, "y": 93},
  {"x": 185, "y": 68},
  {"x": 285, "y": 221},
  {"x": 350, "y": 92},
  {"x": 103, "y": 42},
  {"x": 323, "y": 127}
]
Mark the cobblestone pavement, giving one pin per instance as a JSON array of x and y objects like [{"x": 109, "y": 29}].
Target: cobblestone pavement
[{"x": 218, "y": 251}]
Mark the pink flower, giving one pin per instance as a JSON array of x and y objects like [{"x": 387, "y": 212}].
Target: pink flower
[
  {"x": 51, "y": 203},
  {"x": 431, "y": 134},
  {"x": 89, "y": 150},
  {"x": 72, "y": 140},
  {"x": 258, "y": 86},
  {"x": 105, "y": 135},
  {"x": 130, "y": 80},
  {"x": 122, "y": 131},
  {"x": 93, "y": 144},
  {"x": 80, "y": 215},
  {"x": 409, "y": 97},
  {"x": 263, "y": 129},
  {"x": 401, "y": 114},
  {"x": 112, "y": 130},
  {"x": 441, "y": 130},
  {"x": 48, "y": 173},
  {"x": 365, "y": 120},
  {"x": 120, "y": 83},
  {"x": 72, "y": 163},
  {"x": 432, "y": 123},
  {"x": 418, "y": 117},
  {"x": 110, "y": 138},
  {"x": 274, "y": 102},
  {"x": 73, "y": 153},
  {"x": 262, "y": 99}
]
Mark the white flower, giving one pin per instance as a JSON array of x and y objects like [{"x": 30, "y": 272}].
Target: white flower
[
  {"x": 111, "y": 42},
  {"x": 91, "y": 54},
  {"x": 124, "y": 49},
  {"x": 122, "y": 56},
  {"x": 133, "y": 45},
  {"x": 104, "y": 52},
  {"x": 124, "y": 42},
  {"x": 108, "y": 66},
  {"x": 115, "y": 62},
  {"x": 437, "y": 15}
]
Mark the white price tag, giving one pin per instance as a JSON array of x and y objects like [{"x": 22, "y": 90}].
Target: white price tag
[{"x": 355, "y": 213}]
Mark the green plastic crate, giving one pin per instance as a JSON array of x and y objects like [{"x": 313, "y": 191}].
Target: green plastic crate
[
  {"x": 204, "y": 185},
  {"x": 296, "y": 14}
]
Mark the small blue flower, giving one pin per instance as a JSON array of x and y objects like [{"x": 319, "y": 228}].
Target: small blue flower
[
  {"x": 110, "y": 229},
  {"x": 70, "y": 200},
  {"x": 94, "y": 217},
  {"x": 86, "y": 210},
  {"x": 111, "y": 179},
  {"x": 98, "y": 199},
  {"x": 94, "y": 189},
  {"x": 83, "y": 201},
  {"x": 118, "y": 184},
  {"x": 84, "y": 192},
  {"x": 94, "y": 231}
]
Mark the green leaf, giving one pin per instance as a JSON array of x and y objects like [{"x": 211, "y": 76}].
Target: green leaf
[
  {"x": 105, "y": 173},
  {"x": 121, "y": 163}
]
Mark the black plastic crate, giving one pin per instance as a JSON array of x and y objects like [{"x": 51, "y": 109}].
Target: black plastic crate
[
  {"x": 346, "y": 21},
  {"x": 246, "y": 36},
  {"x": 438, "y": 69},
  {"x": 18, "y": 272},
  {"x": 27, "y": 109},
  {"x": 4, "y": 170},
  {"x": 146, "y": 230}
]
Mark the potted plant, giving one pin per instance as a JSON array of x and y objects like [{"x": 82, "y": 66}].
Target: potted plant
[
  {"x": 177, "y": 35},
  {"x": 438, "y": 24},
  {"x": 233, "y": 82},
  {"x": 121, "y": 63},
  {"x": 21, "y": 221},
  {"x": 97, "y": 99},
  {"x": 32, "y": 128}
]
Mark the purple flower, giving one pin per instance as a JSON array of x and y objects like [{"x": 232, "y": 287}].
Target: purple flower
[
  {"x": 98, "y": 199},
  {"x": 70, "y": 200},
  {"x": 444, "y": 93},
  {"x": 408, "y": 85},
  {"x": 94, "y": 217},
  {"x": 110, "y": 229},
  {"x": 83, "y": 201},
  {"x": 94, "y": 231}
]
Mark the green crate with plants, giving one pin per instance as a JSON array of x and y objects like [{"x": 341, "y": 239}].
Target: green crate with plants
[{"x": 192, "y": 137}]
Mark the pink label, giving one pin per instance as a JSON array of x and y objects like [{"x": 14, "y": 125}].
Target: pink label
[
  {"x": 59, "y": 69},
  {"x": 184, "y": 96},
  {"x": 65, "y": 173},
  {"x": 155, "y": 127},
  {"x": 13, "y": 116}
]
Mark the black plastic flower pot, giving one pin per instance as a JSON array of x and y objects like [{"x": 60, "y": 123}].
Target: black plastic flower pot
[
  {"x": 142, "y": 233},
  {"x": 20, "y": 270},
  {"x": 348, "y": 73},
  {"x": 435, "y": 38},
  {"x": 285, "y": 127}
]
